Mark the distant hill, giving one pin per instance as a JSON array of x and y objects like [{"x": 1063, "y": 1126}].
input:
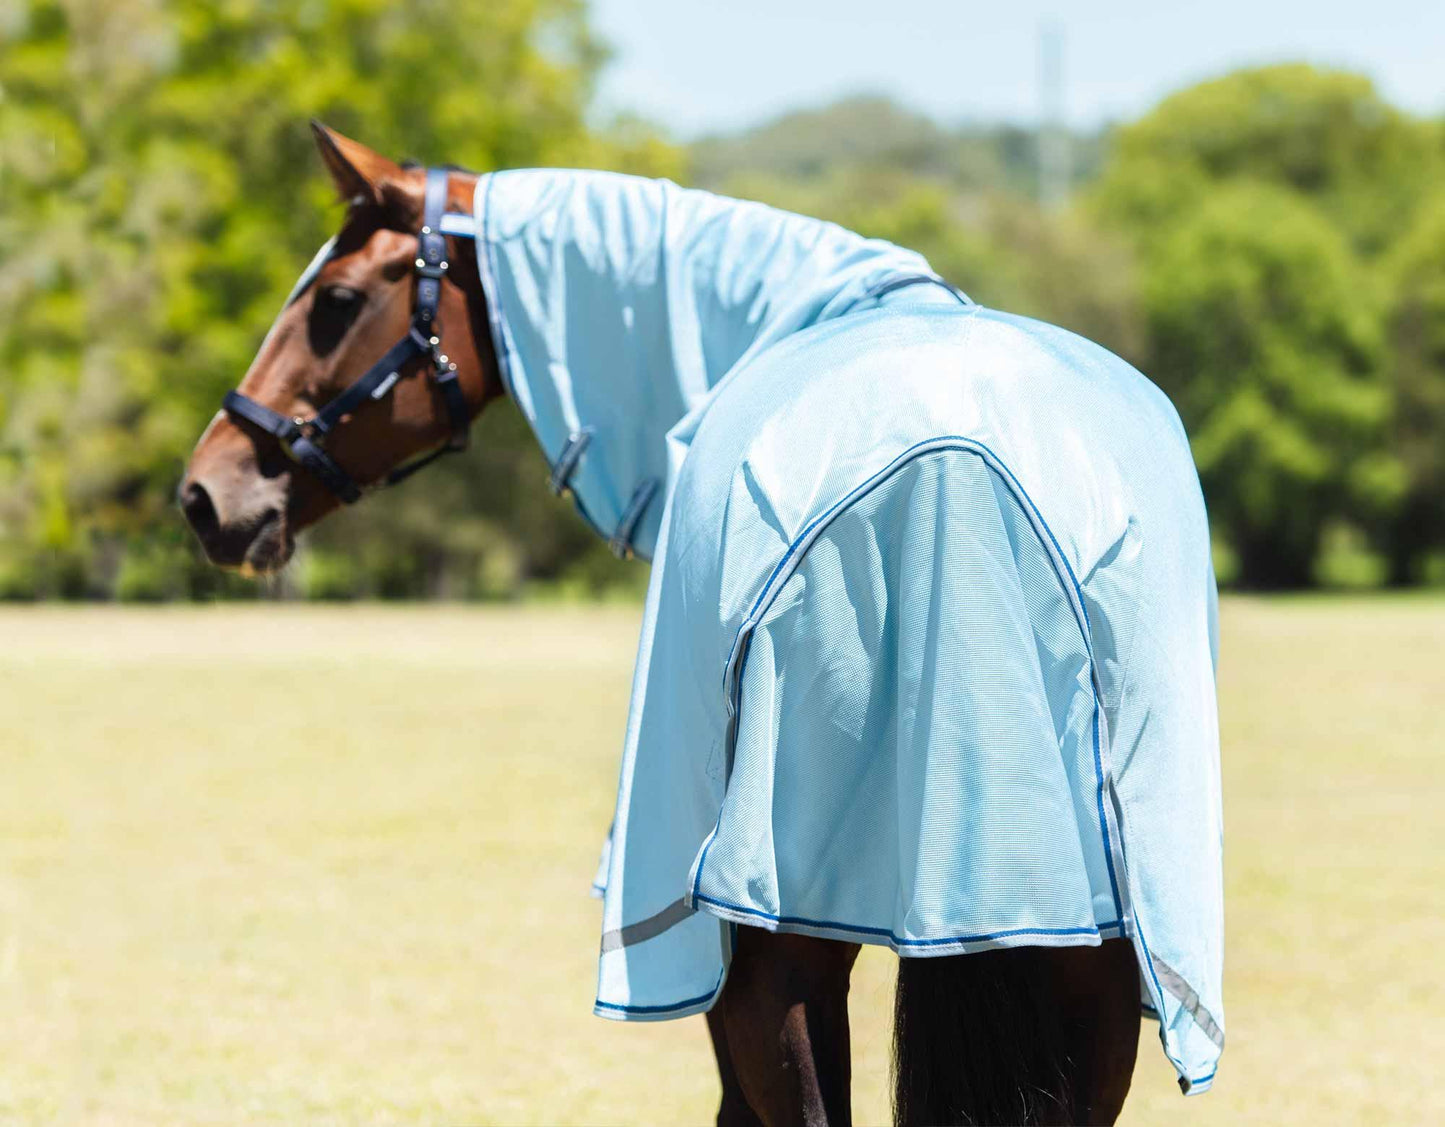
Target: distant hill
[{"x": 869, "y": 134}]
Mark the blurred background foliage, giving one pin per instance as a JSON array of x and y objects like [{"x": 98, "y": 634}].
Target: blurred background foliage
[{"x": 1269, "y": 247}]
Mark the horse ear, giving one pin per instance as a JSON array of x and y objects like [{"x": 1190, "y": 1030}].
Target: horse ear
[{"x": 355, "y": 169}]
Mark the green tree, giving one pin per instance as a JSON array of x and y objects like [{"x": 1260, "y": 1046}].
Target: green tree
[
  {"x": 1261, "y": 207},
  {"x": 1416, "y": 325},
  {"x": 1324, "y": 134},
  {"x": 159, "y": 193},
  {"x": 1269, "y": 347}
]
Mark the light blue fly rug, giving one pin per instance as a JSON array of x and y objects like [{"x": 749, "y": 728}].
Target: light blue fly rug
[{"x": 928, "y": 651}]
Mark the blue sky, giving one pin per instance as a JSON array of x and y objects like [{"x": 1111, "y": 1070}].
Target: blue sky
[{"x": 701, "y": 66}]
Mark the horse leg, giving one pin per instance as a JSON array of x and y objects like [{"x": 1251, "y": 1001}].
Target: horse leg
[
  {"x": 783, "y": 1016},
  {"x": 1097, "y": 991},
  {"x": 734, "y": 1111},
  {"x": 1038, "y": 1035}
]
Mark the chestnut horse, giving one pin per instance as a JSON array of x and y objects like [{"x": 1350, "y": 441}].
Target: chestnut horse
[{"x": 385, "y": 354}]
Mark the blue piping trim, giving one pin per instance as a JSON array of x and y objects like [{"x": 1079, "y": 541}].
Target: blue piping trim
[
  {"x": 601, "y": 1005},
  {"x": 898, "y": 940},
  {"x": 1099, "y": 792},
  {"x": 897, "y": 281}
]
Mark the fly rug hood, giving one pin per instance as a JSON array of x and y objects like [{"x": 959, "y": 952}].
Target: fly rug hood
[{"x": 927, "y": 657}]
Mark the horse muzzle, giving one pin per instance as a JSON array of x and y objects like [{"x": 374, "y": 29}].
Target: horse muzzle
[{"x": 257, "y": 540}]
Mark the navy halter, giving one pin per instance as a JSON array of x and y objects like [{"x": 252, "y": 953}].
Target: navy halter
[{"x": 304, "y": 439}]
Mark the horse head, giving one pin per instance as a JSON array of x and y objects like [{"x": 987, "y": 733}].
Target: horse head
[{"x": 382, "y": 353}]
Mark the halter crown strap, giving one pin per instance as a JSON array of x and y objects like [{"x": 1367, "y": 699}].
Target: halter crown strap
[
  {"x": 432, "y": 264},
  {"x": 303, "y": 439}
]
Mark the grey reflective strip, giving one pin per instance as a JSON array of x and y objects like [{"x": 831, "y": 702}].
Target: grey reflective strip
[
  {"x": 1174, "y": 982},
  {"x": 621, "y": 542},
  {"x": 642, "y": 930}
]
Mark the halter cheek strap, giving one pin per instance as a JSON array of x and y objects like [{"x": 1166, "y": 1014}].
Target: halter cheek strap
[{"x": 305, "y": 439}]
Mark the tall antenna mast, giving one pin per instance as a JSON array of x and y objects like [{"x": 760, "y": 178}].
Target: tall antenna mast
[{"x": 1055, "y": 165}]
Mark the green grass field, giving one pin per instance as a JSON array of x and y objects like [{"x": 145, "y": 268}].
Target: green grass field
[{"x": 309, "y": 865}]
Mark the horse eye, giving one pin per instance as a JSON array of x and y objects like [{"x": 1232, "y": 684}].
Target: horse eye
[{"x": 332, "y": 316}]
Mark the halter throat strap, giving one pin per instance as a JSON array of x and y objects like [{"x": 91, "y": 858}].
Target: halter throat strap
[{"x": 304, "y": 439}]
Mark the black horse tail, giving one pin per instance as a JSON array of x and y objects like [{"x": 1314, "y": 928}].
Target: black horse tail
[{"x": 1029, "y": 1035}]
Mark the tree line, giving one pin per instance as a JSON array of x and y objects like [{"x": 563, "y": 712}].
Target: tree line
[{"x": 1269, "y": 247}]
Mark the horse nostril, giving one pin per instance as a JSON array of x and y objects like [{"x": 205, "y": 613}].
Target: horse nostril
[{"x": 199, "y": 511}]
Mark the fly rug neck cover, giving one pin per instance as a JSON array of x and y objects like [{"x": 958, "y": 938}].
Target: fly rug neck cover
[{"x": 928, "y": 651}]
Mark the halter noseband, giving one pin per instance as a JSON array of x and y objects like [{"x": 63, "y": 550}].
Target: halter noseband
[{"x": 304, "y": 439}]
